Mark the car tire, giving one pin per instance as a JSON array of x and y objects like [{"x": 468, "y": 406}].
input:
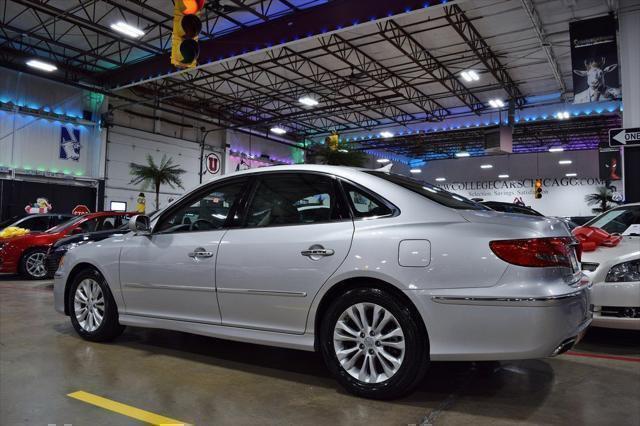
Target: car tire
[
  {"x": 93, "y": 311},
  {"x": 32, "y": 264},
  {"x": 394, "y": 348}
]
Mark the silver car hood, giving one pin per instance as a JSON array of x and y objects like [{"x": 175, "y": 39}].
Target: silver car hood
[
  {"x": 627, "y": 249},
  {"x": 543, "y": 226}
]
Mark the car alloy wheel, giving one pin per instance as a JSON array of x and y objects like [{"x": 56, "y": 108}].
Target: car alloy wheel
[
  {"x": 88, "y": 305},
  {"x": 369, "y": 342},
  {"x": 34, "y": 264}
]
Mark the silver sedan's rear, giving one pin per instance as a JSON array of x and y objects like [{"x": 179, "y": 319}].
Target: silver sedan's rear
[{"x": 384, "y": 276}]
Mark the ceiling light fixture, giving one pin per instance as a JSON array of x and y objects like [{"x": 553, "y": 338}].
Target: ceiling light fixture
[
  {"x": 414, "y": 171},
  {"x": 470, "y": 75},
  {"x": 126, "y": 29},
  {"x": 503, "y": 176},
  {"x": 308, "y": 101},
  {"x": 383, "y": 160},
  {"x": 43, "y": 66},
  {"x": 556, "y": 149},
  {"x": 486, "y": 166},
  {"x": 278, "y": 130},
  {"x": 571, "y": 175},
  {"x": 496, "y": 103},
  {"x": 462, "y": 154},
  {"x": 565, "y": 162},
  {"x": 386, "y": 134},
  {"x": 440, "y": 179}
]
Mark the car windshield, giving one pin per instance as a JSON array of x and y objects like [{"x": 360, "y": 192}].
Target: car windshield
[
  {"x": 431, "y": 192},
  {"x": 64, "y": 225},
  {"x": 10, "y": 222},
  {"x": 622, "y": 220}
]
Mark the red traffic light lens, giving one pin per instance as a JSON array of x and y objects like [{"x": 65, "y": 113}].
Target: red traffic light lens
[
  {"x": 192, "y": 6},
  {"x": 189, "y": 50}
]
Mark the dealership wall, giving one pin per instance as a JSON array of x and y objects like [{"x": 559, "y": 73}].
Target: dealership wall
[
  {"x": 34, "y": 143},
  {"x": 133, "y": 135},
  {"x": 562, "y": 195}
]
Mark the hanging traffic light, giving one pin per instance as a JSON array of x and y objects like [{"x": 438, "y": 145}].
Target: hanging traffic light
[
  {"x": 537, "y": 188},
  {"x": 186, "y": 28}
]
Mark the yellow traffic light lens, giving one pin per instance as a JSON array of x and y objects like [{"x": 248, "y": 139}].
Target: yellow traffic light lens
[{"x": 191, "y": 25}]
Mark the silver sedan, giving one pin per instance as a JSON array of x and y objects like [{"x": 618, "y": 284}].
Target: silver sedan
[{"x": 379, "y": 272}]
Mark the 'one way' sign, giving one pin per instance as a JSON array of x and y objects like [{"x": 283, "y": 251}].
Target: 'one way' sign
[{"x": 624, "y": 137}]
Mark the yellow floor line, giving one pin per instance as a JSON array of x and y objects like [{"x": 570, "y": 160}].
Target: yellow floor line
[{"x": 125, "y": 410}]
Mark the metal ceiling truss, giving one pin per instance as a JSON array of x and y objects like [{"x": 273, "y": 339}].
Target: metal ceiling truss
[
  {"x": 408, "y": 45},
  {"x": 351, "y": 55},
  {"x": 531, "y": 11},
  {"x": 463, "y": 26},
  {"x": 583, "y": 132},
  {"x": 261, "y": 93}
]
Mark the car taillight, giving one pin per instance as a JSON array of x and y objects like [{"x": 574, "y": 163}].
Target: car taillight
[{"x": 536, "y": 252}]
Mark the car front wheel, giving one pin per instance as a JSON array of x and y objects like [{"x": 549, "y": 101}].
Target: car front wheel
[
  {"x": 373, "y": 344},
  {"x": 93, "y": 310},
  {"x": 32, "y": 264}
]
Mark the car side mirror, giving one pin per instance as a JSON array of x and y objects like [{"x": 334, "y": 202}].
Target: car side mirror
[
  {"x": 76, "y": 231},
  {"x": 140, "y": 224}
]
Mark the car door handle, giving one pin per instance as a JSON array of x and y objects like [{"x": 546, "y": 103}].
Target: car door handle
[
  {"x": 317, "y": 252},
  {"x": 200, "y": 252}
]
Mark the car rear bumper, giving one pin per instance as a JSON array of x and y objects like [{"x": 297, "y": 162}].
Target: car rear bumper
[{"x": 487, "y": 329}]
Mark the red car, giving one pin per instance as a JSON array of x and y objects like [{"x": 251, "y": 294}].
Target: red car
[{"x": 26, "y": 254}]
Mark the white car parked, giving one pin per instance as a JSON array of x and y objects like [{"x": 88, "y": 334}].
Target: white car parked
[
  {"x": 379, "y": 272},
  {"x": 615, "y": 271}
]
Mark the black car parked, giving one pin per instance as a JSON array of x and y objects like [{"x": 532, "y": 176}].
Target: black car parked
[{"x": 60, "y": 247}]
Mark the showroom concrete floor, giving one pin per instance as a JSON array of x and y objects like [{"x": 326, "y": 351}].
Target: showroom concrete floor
[{"x": 205, "y": 381}]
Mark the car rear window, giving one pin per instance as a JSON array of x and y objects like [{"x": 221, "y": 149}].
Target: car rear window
[{"x": 431, "y": 192}]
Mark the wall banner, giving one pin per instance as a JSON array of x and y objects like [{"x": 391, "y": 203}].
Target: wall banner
[
  {"x": 560, "y": 196},
  {"x": 212, "y": 165},
  {"x": 610, "y": 164},
  {"x": 69, "y": 143},
  {"x": 594, "y": 56}
]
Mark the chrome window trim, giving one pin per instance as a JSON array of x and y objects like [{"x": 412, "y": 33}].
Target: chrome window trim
[
  {"x": 169, "y": 287},
  {"x": 262, "y": 292}
]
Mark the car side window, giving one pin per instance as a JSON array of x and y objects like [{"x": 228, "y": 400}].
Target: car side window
[
  {"x": 363, "y": 204},
  {"x": 89, "y": 225},
  {"x": 207, "y": 212},
  {"x": 293, "y": 199},
  {"x": 36, "y": 223},
  {"x": 56, "y": 220},
  {"x": 108, "y": 223}
]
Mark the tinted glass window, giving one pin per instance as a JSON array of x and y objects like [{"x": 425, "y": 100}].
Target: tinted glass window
[
  {"x": 89, "y": 225},
  {"x": 289, "y": 199},
  {"x": 431, "y": 192},
  {"x": 109, "y": 223},
  {"x": 617, "y": 220},
  {"x": 72, "y": 221},
  {"x": 55, "y": 220},
  {"x": 204, "y": 213},
  {"x": 35, "y": 223},
  {"x": 363, "y": 204}
]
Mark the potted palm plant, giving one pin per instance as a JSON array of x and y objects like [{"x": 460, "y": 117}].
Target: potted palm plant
[
  {"x": 165, "y": 173},
  {"x": 602, "y": 198}
]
